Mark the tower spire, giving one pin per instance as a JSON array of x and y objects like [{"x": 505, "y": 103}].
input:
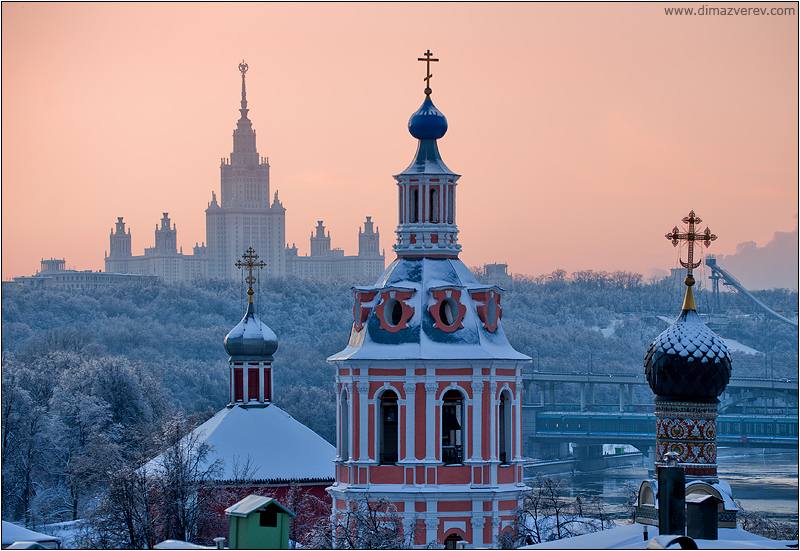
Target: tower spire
[{"x": 243, "y": 68}]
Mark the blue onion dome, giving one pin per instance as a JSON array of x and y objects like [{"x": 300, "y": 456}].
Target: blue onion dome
[
  {"x": 251, "y": 337},
  {"x": 427, "y": 123},
  {"x": 688, "y": 360}
]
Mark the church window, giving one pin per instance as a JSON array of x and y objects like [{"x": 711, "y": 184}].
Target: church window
[
  {"x": 393, "y": 312},
  {"x": 504, "y": 431},
  {"x": 400, "y": 203},
  {"x": 413, "y": 206},
  {"x": 452, "y": 423},
  {"x": 448, "y": 311},
  {"x": 388, "y": 428},
  {"x": 434, "y": 206},
  {"x": 451, "y": 541},
  {"x": 449, "y": 191}
]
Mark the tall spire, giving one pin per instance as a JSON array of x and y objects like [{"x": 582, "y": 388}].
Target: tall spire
[
  {"x": 427, "y": 225},
  {"x": 244, "y": 109}
]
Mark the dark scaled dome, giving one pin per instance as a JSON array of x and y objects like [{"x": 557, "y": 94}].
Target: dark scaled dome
[
  {"x": 427, "y": 123},
  {"x": 688, "y": 360},
  {"x": 251, "y": 337}
]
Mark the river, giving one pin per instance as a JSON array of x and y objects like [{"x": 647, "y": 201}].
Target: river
[{"x": 763, "y": 482}]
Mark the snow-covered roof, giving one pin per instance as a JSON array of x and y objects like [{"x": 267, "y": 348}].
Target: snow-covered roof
[
  {"x": 421, "y": 339},
  {"x": 252, "y": 503},
  {"x": 12, "y": 533},
  {"x": 630, "y": 536},
  {"x": 280, "y": 448}
]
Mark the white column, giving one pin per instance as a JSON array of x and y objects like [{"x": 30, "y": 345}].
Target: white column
[
  {"x": 477, "y": 532},
  {"x": 246, "y": 383},
  {"x": 518, "y": 422},
  {"x": 477, "y": 402},
  {"x": 431, "y": 525},
  {"x": 621, "y": 398},
  {"x": 430, "y": 421},
  {"x": 583, "y": 396},
  {"x": 492, "y": 422},
  {"x": 363, "y": 419},
  {"x": 410, "y": 390},
  {"x": 232, "y": 384}
]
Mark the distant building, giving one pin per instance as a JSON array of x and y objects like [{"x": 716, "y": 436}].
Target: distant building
[
  {"x": 241, "y": 218},
  {"x": 325, "y": 263},
  {"x": 54, "y": 274},
  {"x": 497, "y": 273},
  {"x": 162, "y": 260}
]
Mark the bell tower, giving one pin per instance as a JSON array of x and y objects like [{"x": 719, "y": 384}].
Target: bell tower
[{"x": 428, "y": 387}]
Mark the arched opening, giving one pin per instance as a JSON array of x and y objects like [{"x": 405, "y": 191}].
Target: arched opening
[
  {"x": 452, "y": 431},
  {"x": 388, "y": 428},
  {"x": 451, "y": 541},
  {"x": 413, "y": 206},
  {"x": 433, "y": 206},
  {"x": 393, "y": 312},
  {"x": 450, "y": 204},
  {"x": 400, "y": 216},
  {"x": 448, "y": 311},
  {"x": 504, "y": 418},
  {"x": 344, "y": 429}
]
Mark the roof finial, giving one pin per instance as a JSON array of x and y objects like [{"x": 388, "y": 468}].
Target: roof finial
[
  {"x": 243, "y": 69},
  {"x": 427, "y": 59},
  {"x": 250, "y": 258},
  {"x": 691, "y": 237}
]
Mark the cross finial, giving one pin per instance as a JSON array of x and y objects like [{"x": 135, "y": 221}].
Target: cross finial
[
  {"x": 250, "y": 258},
  {"x": 243, "y": 67},
  {"x": 691, "y": 237},
  {"x": 427, "y": 59}
]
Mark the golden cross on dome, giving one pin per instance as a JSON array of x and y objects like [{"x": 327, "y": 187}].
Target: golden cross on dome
[
  {"x": 691, "y": 237},
  {"x": 427, "y": 59},
  {"x": 250, "y": 258}
]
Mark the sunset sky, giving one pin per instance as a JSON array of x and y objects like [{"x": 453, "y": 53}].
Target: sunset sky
[{"x": 583, "y": 132}]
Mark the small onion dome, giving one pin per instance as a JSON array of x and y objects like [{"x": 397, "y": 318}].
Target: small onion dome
[
  {"x": 427, "y": 123},
  {"x": 251, "y": 337},
  {"x": 688, "y": 360}
]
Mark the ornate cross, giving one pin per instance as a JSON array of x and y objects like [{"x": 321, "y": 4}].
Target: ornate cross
[
  {"x": 250, "y": 258},
  {"x": 427, "y": 59},
  {"x": 691, "y": 237},
  {"x": 243, "y": 67}
]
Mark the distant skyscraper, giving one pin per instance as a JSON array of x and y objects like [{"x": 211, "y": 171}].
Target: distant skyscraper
[{"x": 244, "y": 216}]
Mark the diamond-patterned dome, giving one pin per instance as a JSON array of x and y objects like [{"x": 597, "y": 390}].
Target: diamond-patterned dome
[{"x": 688, "y": 360}]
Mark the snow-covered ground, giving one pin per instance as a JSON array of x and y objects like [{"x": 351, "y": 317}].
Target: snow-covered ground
[{"x": 632, "y": 536}]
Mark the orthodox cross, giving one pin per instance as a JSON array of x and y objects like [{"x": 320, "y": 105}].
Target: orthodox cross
[
  {"x": 250, "y": 258},
  {"x": 427, "y": 59},
  {"x": 243, "y": 67},
  {"x": 691, "y": 237}
]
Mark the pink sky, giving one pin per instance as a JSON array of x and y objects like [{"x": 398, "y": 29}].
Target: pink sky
[{"x": 583, "y": 132}]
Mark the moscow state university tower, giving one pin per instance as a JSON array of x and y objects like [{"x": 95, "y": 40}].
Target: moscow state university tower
[{"x": 243, "y": 216}]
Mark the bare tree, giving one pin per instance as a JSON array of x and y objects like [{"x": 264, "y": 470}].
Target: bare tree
[{"x": 368, "y": 524}]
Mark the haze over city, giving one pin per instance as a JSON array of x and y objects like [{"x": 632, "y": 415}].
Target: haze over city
[{"x": 584, "y": 132}]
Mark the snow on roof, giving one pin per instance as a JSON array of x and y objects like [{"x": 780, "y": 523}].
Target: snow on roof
[
  {"x": 178, "y": 544},
  {"x": 252, "y": 503},
  {"x": 631, "y": 536},
  {"x": 12, "y": 533},
  {"x": 420, "y": 339},
  {"x": 280, "y": 447}
]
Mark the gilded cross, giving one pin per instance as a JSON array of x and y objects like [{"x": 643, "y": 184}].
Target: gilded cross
[
  {"x": 427, "y": 59},
  {"x": 691, "y": 237},
  {"x": 250, "y": 258}
]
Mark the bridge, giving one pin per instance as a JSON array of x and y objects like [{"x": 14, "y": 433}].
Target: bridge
[
  {"x": 549, "y": 427},
  {"x": 540, "y": 387}
]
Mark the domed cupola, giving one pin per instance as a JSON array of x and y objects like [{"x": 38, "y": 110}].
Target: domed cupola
[
  {"x": 688, "y": 366},
  {"x": 251, "y": 345},
  {"x": 251, "y": 337},
  {"x": 427, "y": 122}
]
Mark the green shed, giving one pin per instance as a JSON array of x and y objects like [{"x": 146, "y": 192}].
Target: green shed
[{"x": 259, "y": 522}]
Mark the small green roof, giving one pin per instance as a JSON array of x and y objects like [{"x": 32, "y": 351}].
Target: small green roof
[{"x": 253, "y": 503}]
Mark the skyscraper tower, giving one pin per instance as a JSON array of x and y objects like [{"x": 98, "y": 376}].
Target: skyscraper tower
[
  {"x": 428, "y": 388},
  {"x": 244, "y": 216}
]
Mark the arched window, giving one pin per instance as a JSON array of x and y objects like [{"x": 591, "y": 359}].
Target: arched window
[
  {"x": 433, "y": 209},
  {"x": 451, "y": 541},
  {"x": 401, "y": 218},
  {"x": 344, "y": 429},
  {"x": 452, "y": 423},
  {"x": 450, "y": 204},
  {"x": 504, "y": 418},
  {"x": 388, "y": 428},
  {"x": 413, "y": 206}
]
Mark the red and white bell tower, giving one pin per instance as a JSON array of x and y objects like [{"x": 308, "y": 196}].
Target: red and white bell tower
[{"x": 428, "y": 388}]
